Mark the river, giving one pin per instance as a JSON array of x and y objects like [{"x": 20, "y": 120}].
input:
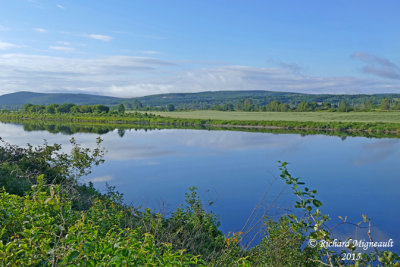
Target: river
[{"x": 238, "y": 171}]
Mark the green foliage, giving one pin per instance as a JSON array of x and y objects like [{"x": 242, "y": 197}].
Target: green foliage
[
  {"x": 68, "y": 108},
  {"x": 246, "y": 105},
  {"x": 282, "y": 246},
  {"x": 137, "y": 105},
  {"x": 276, "y": 106},
  {"x": 100, "y": 109},
  {"x": 170, "y": 107},
  {"x": 273, "y": 106},
  {"x": 26, "y": 107},
  {"x": 52, "y": 109},
  {"x": 53, "y": 224},
  {"x": 385, "y": 104},
  {"x": 284, "y": 107},
  {"x": 303, "y": 106},
  {"x": 121, "y": 108},
  {"x": 343, "y": 107},
  {"x": 10, "y": 178},
  {"x": 42, "y": 229},
  {"x": 192, "y": 228},
  {"x": 19, "y": 168},
  {"x": 86, "y": 109},
  {"x": 314, "y": 220},
  {"x": 65, "y": 108},
  {"x": 225, "y": 107}
]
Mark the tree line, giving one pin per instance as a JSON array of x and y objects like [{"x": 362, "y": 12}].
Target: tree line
[
  {"x": 71, "y": 108},
  {"x": 250, "y": 105},
  {"x": 247, "y": 105},
  {"x": 95, "y": 109},
  {"x": 277, "y": 106}
]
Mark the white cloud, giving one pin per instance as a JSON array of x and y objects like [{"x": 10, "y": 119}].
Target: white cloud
[
  {"x": 4, "y": 45},
  {"x": 149, "y": 52},
  {"x": 41, "y": 30},
  {"x": 378, "y": 66},
  {"x": 63, "y": 49},
  {"x": 127, "y": 76},
  {"x": 101, "y": 37},
  {"x": 377, "y": 151},
  {"x": 63, "y": 43},
  {"x": 60, "y": 7},
  {"x": 249, "y": 78},
  {"x": 46, "y": 73}
]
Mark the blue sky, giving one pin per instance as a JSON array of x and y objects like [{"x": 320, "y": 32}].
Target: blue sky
[{"x": 132, "y": 48}]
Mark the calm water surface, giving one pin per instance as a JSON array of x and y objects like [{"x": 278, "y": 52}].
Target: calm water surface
[{"x": 154, "y": 169}]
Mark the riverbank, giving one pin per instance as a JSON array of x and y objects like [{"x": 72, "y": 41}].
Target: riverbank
[
  {"x": 317, "y": 116},
  {"x": 374, "y": 124}
]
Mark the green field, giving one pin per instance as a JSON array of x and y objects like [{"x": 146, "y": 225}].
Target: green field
[{"x": 387, "y": 117}]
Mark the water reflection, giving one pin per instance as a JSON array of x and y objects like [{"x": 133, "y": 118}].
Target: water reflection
[
  {"x": 101, "y": 128},
  {"x": 377, "y": 151}
]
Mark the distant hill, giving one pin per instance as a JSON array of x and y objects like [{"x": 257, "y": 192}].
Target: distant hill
[
  {"x": 18, "y": 99},
  {"x": 188, "y": 100},
  {"x": 207, "y": 99},
  {"x": 213, "y": 98}
]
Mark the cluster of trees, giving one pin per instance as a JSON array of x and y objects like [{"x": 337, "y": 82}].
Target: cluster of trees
[
  {"x": 71, "y": 108},
  {"x": 274, "y": 106},
  {"x": 277, "y": 106},
  {"x": 137, "y": 105},
  {"x": 96, "y": 109}
]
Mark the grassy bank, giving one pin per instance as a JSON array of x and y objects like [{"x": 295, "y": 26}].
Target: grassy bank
[
  {"x": 381, "y": 123},
  {"x": 385, "y": 117},
  {"x": 69, "y": 128}
]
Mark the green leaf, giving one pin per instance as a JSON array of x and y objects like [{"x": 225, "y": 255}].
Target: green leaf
[
  {"x": 72, "y": 256},
  {"x": 317, "y": 203}
]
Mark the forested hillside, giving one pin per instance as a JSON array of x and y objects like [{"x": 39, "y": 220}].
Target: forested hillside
[
  {"x": 18, "y": 99},
  {"x": 202, "y": 100}
]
